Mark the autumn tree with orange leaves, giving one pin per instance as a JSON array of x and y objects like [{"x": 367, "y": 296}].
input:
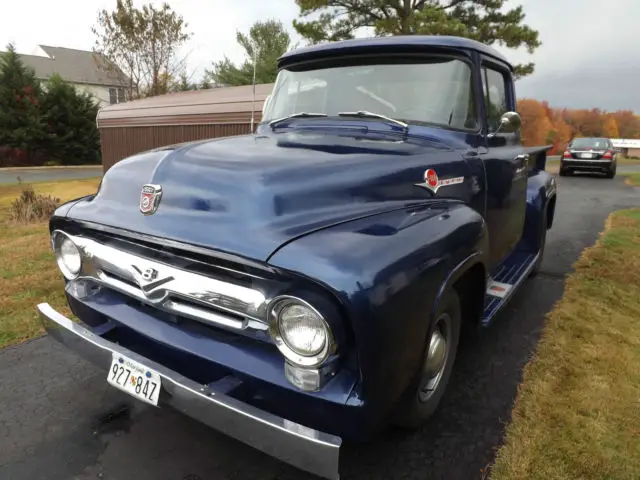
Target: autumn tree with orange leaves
[{"x": 543, "y": 125}]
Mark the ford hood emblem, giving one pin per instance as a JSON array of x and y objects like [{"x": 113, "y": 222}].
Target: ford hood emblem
[{"x": 150, "y": 198}]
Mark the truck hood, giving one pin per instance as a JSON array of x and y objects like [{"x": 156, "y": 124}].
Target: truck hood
[{"x": 249, "y": 195}]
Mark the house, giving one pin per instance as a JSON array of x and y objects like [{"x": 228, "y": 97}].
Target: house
[
  {"x": 629, "y": 147},
  {"x": 87, "y": 71}
]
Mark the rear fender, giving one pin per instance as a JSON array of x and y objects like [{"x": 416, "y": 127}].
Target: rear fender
[
  {"x": 389, "y": 271},
  {"x": 539, "y": 156},
  {"x": 541, "y": 194}
]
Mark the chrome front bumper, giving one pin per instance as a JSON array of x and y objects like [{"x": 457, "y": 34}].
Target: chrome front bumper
[{"x": 305, "y": 448}]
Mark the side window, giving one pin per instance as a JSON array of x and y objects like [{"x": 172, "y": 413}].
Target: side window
[{"x": 495, "y": 96}]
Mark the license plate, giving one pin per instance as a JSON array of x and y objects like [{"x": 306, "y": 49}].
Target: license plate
[
  {"x": 135, "y": 379},
  {"x": 587, "y": 155}
]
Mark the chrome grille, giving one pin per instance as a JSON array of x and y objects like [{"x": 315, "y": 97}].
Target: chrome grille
[{"x": 173, "y": 290}]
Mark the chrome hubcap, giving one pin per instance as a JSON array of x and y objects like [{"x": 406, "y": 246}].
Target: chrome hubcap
[
  {"x": 436, "y": 358},
  {"x": 436, "y": 355}
]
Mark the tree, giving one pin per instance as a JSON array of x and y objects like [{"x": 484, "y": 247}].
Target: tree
[
  {"x": 21, "y": 121},
  {"x": 271, "y": 39},
  {"x": 482, "y": 20},
  {"x": 71, "y": 123},
  {"x": 562, "y": 135},
  {"x": 628, "y": 124},
  {"x": 610, "y": 128},
  {"x": 536, "y": 126},
  {"x": 143, "y": 43}
]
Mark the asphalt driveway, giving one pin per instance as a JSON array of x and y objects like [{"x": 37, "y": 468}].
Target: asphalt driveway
[
  {"x": 60, "y": 420},
  {"x": 10, "y": 175}
]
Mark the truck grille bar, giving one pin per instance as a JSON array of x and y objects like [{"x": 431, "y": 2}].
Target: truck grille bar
[{"x": 173, "y": 290}]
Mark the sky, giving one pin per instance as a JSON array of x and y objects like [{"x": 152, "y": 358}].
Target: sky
[{"x": 589, "y": 57}]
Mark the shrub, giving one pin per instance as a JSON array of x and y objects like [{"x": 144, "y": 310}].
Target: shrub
[{"x": 32, "y": 207}]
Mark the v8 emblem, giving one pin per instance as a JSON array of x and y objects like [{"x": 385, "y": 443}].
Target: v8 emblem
[{"x": 150, "y": 274}]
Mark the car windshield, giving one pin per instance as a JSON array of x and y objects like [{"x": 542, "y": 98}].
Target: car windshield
[
  {"x": 433, "y": 91},
  {"x": 597, "y": 143}
]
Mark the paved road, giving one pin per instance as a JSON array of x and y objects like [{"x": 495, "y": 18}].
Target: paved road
[
  {"x": 49, "y": 174},
  {"x": 60, "y": 420}
]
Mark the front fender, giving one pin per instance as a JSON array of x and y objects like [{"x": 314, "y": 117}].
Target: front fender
[{"x": 388, "y": 271}]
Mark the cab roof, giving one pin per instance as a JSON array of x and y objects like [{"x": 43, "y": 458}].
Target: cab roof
[{"x": 391, "y": 43}]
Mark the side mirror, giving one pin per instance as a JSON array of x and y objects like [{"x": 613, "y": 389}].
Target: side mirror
[
  {"x": 265, "y": 104},
  {"x": 510, "y": 122}
]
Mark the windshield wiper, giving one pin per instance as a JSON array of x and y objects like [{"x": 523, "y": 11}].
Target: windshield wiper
[
  {"x": 272, "y": 123},
  {"x": 365, "y": 114}
]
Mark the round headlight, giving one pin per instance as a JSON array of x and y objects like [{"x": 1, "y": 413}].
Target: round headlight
[
  {"x": 67, "y": 255},
  {"x": 300, "y": 332},
  {"x": 302, "y": 329}
]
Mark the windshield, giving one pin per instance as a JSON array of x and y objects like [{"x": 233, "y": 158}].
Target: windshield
[
  {"x": 437, "y": 91},
  {"x": 598, "y": 143}
]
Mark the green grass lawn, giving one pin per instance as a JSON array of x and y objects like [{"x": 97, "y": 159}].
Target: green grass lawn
[
  {"x": 577, "y": 414},
  {"x": 28, "y": 272}
]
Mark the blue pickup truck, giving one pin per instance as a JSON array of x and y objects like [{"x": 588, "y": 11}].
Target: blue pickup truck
[{"x": 309, "y": 283}]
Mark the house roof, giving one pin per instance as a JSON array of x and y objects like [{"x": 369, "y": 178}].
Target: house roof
[
  {"x": 392, "y": 43},
  {"x": 75, "y": 66}
]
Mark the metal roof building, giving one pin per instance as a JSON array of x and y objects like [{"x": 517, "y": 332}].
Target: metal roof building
[{"x": 139, "y": 125}]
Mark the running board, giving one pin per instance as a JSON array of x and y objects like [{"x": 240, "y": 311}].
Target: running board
[{"x": 505, "y": 281}]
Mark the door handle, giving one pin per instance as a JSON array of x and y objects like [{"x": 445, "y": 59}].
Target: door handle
[{"x": 523, "y": 157}]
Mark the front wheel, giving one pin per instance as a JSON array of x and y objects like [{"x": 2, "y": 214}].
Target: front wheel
[{"x": 424, "y": 394}]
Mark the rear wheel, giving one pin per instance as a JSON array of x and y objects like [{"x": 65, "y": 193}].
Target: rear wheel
[
  {"x": 564, "y": 171},
  {"x": 424, "y": 394},
  {"x": 611, "y": 173}
]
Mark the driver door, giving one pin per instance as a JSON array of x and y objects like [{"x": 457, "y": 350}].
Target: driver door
[{"x": 506, "y": 166}]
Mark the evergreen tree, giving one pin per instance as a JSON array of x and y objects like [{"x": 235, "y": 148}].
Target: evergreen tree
[
  {"x": 71, "y": 123},
  {"x": 271, "y": 40},
  {"x": 487, "y": 21},
  {"x": 21, "y": 121}
]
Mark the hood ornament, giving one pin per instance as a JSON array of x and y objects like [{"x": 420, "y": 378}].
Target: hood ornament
[
  {"x": 150, "y": 198},
  {"x": 433, "y": 183}
]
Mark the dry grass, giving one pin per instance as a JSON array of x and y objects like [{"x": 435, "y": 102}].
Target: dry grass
[
  {"x": 28, "y": 274},
  {"x": 577, "y": 415},
  {"x": 31, "y": 207},
  {"x": 633, "y": 179}
]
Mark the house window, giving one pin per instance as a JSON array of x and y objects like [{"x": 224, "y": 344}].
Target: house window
[{"x": 116, "y": 95}]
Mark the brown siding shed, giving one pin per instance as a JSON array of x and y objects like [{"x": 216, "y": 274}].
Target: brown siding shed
[{"x": 139, "y": 125}]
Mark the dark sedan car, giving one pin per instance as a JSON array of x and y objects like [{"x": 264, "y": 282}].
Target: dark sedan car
[{"x": 589, "y": 154}]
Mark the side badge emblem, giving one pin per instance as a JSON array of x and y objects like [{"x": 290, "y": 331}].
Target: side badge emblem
[
  {"x": 433, "y": 183},
  {"x": 150, "y": 198}
]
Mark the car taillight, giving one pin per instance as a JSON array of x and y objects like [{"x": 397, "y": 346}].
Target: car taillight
[
  {"x": 608, "y": 154},
  {"x": 566, "y": 154}
]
